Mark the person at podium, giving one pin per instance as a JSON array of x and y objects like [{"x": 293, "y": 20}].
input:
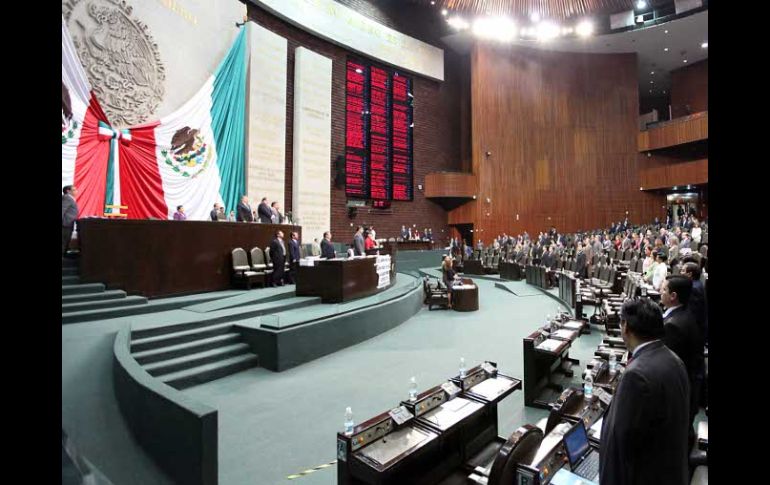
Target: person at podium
[
  {"x": 327, "y": 250},
  {"x": 370, "y": 243},
  {"x": 359, "y": 248},
  {"x": 448, "y": 277}
]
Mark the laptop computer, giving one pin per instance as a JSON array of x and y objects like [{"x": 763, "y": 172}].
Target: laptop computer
[{"x": 583, "y": 460}]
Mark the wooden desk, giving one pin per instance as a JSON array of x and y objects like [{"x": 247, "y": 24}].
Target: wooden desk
[
  {"x": 414, "y": 245},
  {"x": 339, "y": 280},
  {"x": 163, "y": 258},
  {"x": 509, "y": 270},
  {"x": 473, "y": 266},
  {"x": 466, "y": 299}
]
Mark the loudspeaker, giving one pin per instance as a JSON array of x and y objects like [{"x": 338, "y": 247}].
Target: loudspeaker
[{"x": 339, "y": 172}]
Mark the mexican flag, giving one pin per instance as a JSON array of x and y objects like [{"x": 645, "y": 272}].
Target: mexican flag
[{"x": 193, "y": 157}]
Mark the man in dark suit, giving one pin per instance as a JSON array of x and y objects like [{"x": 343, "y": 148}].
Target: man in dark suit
[
  {"x": 683, "y": 336},
  {"x": 580, "y": 262},
  {"x": 264, "y": 212},
  {"x": 644, "y": 433},
  {"x": 278, "y": 258},
  {"x": 327, "y": 250},
  {"x": 697, "y": 304},
  {"x": 69, "y": 213},
  {"x": 294, "y": 256},
  {"x": 358, "y": 242},
  {"x": 243, "y": 211}
]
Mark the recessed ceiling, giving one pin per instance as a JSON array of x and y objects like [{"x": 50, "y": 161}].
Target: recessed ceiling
[
  {"x": 553, "y": 9},
  {"x": 683, "y": 41}
]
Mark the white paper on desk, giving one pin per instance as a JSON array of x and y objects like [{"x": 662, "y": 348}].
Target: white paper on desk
[
  {"x": 550, "y": 345},
  {"x": 455, "y": 405},
  {"x": 573, "y": 325},
  {"x": 595, "y": 431},
  {"x": 564, "y": 333}
]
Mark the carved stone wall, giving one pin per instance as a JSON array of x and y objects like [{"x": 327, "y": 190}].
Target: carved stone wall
[{"x": 146, "y": 58}]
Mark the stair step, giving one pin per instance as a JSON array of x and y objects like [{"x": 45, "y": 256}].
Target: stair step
[
  {"x": 195, "y": 360},
  {"x": 232, "y": 315},
  {"x": 80, "y": 289},
  {"x": 69, "y": 271},
  {"x": 170, "y": 339},
  {"x": 170, "y": 352},
  {"x": 100, "y": 304},
  {"x": 69, "y": 262},
  {"x": 210, "y": 372},
  {"x": 70, "y": 280},
  {"x": 106, "y": 295}
]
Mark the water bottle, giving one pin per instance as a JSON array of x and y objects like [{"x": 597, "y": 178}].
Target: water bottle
[
  {"x": 588, "y": 385},
  {"x": 613, "y": 363},
  {"x": 462, "y": 368},
  {"x": 413, "y": 389},
  {"x": 348, "y": 421}
]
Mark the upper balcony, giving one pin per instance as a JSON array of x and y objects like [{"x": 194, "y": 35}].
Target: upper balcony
[
  {"x": 450, "y": 189},
  {"x": 678, "y": 131}
]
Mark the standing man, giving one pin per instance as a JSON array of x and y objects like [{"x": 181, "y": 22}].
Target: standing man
[
  {"x": 69, "y": 213},
  {"x": 643, "y": 440},
  {"x": 276, "y": 217},
  {"x": 294, "y": 256},
  {"x": 278, "y": 258},
  {"x": 265, "y": 212},
  {"x": 697, "y": 304},
  {"x": 215, "y": 212},
  {"x": 244, "y": 211},
  {"x": 358, "y": 242},
  {"x": 683, "y": 337},
  {"x": 327, "y": 250}
]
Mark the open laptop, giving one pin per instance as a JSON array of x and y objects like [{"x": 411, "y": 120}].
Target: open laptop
[{"x": 583, "y": 460}]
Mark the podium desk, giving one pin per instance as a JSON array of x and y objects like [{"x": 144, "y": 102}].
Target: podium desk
[
  {"x": 339, "y": 280},
  {"x": 465, "y": 298}
]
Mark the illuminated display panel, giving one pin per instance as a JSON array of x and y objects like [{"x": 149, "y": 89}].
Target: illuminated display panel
[
  {"x": 378, "y": 134},
  {"x": 356, "y": 130},
  {"x": 401, "y": 164}
]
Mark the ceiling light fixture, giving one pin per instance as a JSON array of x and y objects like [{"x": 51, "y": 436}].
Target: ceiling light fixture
[
  {"x": 685, "y": 61},
  {"x": 665, "y": 49},
  {"x": 547, "y": 30},
  {"x": 704, "y": 45},
  {"x": 444, "y": 12},
  {"x": 641, "y": 4},
  {"x": 652, "y": 72},
  {"x": 495, "y": 28},
  {"x": 584, "y": 28},
  {"x": 458, "y": 23}
]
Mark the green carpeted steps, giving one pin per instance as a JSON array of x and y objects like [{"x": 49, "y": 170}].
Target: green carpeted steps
[
  {"x": 83, "y": 297},
  {"x": 228, "y": 315},
  {"x": 153, "y": 306},
  {"x": 173, "y": 351},
  {"x": 181, "y": 337},
  {"x": 82, "y": 288},
  {"x": 210, "y": 372},
  {"x": 70, "y": 280},
  {"x": 197, "y": 359},
  {"x": 101, "y": 304}
]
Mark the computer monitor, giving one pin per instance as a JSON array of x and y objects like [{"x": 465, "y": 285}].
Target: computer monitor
[{"x": 576, "y": 443}]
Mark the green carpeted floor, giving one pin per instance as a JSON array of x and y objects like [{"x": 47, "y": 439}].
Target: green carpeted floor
[{"x": 274, "y": 425}]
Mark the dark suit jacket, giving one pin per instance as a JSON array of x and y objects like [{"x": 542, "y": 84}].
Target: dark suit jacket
[
  {"x": 277, "y": 256},
  {"x": 243, "y": 213},
  {"x": 69, "y": 211},
  {"x": 214, "y": 213},
  {"x": 265, "y": 213},
  {"x": 358, "y": 245},
  {"x": 685, "y": 339},
  {"x": 327, "y": 250},
  {"x": 697, "y": 306},
  {"x": 294, "y": 254},
  {"x": 580, "y": 264},
  {"x": 644, "y": 433}
]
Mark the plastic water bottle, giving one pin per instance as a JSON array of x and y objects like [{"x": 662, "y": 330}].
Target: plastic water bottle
[
  {"x": 462, "y": 368},
  {"x": 613, "y": 363},
  {"x": 412, "y": 389},
  {"x": 348, "y": 421},
  {"x": 588, "y": 385}
]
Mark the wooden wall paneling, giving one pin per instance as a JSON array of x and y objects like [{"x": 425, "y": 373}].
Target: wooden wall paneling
[
  {"x": 690, "y": 87},
  {"x": 676, "y": 132},
  {"x": 562, "y": 133}
]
